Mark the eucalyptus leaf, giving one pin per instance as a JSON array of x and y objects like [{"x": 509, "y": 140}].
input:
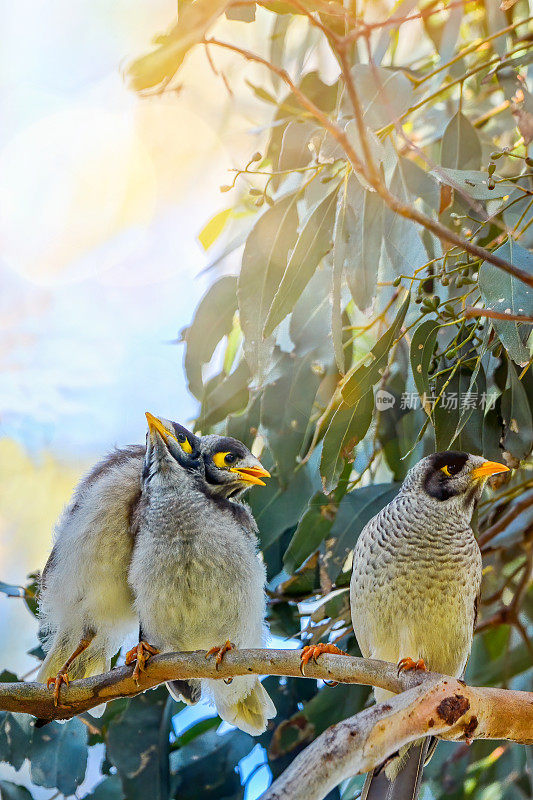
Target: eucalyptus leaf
[
  {"x": 58, "y": 755},
  {"x": 347, "y": 428},
  {"x": 263, "y": 263},
  {"x": 314, "y": 241},
  {"x": 506, "y": 294},
  {"x": 356, "y": 509},
  {"x": 384, "y": 93},
  {"x": 213, "y": 319},
  {"x": 461, "y": 148},
  {"x": 286, "y": 409},
  {"x": 516, "y": 414},
  {"x": 421, "y": 354},
  {"x": 361, "y": 378}
]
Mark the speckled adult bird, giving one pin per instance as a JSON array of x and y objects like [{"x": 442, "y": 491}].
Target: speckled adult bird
[
  {"x": 86, "y": 604},
  {"x": 415, "y": 586},
  {"x": 195, "y": 571}
]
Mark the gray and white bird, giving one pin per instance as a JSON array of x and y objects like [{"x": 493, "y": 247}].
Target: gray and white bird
[
  {"x": 195, "y": 571},
  {"x": 415, "y": 586},
  {"x": 86, "y": 604}
]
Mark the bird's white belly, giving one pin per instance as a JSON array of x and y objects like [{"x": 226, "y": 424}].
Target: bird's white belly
[{"x": 194, "y": 600}]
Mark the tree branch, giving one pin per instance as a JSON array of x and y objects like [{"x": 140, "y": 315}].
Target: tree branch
[
  {"x": 442, "y": 707},
  {"x": 82, "y": 695},
  {"x": 472, "y": 311},
  {"x": 392, "y": 202}
]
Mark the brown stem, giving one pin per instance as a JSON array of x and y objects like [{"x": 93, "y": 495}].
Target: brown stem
[
  {"x": 393, "y": 202},
  {"x": 505, "y": 520},
  {"x": 470, "y": 312}
]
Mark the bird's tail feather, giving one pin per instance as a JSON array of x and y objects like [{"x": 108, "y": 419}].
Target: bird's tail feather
[
  {"x": 187, "y": 691},
  {"x": 391, "y": 783},
  {"x": 250, "y": 712},
  {"x": 92, "y": 661}
]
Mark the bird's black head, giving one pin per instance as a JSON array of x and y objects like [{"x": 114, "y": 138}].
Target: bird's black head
[
  {"x": 170, "y": 447},
  {"x": 230, "y": 468},
  {"x": 453, "y": 476}
]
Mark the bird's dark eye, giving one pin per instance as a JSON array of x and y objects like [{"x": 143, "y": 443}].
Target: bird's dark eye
[
  {"x": 181, "y": 438},
  {"x": 230, "y": 458}
]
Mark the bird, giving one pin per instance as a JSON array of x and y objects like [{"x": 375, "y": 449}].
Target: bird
[
  {"x": 414, "y": 589},
  {"x": 195, "y": 570},
  {"x": 86, "y": 607}
]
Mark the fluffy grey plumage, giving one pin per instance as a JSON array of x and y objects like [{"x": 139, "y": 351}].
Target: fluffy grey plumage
[
  {"x": 415, "y": 583},
  {"x": 84, "y": 587},
  {"x": 196, "y": 574}
]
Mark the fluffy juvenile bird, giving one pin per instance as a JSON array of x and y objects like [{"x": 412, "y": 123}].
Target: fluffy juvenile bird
[
  {"x": 415, "y": 585},
  {"x": 195, "y": 571},
  {"x": 86, "y": 604}
]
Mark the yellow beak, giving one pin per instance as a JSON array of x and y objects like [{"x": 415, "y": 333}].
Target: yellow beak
[
  {"x": 156, "y": 425},
  {"x": 487, "y": 469},
  {"x": 251, "y": 474}
]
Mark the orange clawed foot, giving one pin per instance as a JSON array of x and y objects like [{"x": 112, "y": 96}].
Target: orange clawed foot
[
  {"x": 60, "y": 679},
  {"x": 220, "y": 652},
  {"x": 409, "y": 663},
  {"x": 140, "y": 654},
  {"x": 313, "y": 651}
]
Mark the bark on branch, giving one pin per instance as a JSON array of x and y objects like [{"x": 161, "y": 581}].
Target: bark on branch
[{"x": 443, "y": 707}]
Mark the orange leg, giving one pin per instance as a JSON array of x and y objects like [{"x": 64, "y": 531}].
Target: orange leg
[
  {"x": 140, "y": 654},
  {"x": 220, "y": 652},
  {"x": 409, "y": 663},
  {"x": 62, "y": 676},
  {"x": 313, "y": 651}
]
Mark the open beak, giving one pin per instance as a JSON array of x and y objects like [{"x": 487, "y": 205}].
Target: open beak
[
  {"x": 487, "y": 469},
  {"x": 155, "y": 424},
  {"x": 252, "y": 474}
]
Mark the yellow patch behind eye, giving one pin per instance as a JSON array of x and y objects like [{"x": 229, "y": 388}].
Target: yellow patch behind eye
[
  {"x": 219, "y": 461},
  {"x": 186, "y": 446},
  {"x": 446, "y": 471}
]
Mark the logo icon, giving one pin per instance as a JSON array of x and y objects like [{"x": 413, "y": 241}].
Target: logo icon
[{"x": 384, "y": 400}]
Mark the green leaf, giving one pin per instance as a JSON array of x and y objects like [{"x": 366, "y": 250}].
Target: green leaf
[
  {"x": 58, "y": 755},
  {"x": 347, "y": 428},
  {"x": 356, "y": 509},
  {"x": 516, "y": 414},
  {"x": 227, "y": 396},
  {"x": 502, "y": 292},
  {"x": 461, "y": 148},
  {"x": 403, "y": 243},
  {"x": 313, "y": 243},
  {"x": 108, "y": 789},
  {"x": 421, "y": 353},
  {"x": 295, "y": 152},
  {"x": 363, "y": 229},
  {"x": 449, "y": 415},
  {"x": 310, "y": 321},
  {"x": 286, "y": 409},
  {"x": 12, "y": 791},
  {"x": 276, "y": 508},
  {"x": 384, "y": 93},
  {"x": 138, "y": 745},
  {"x": 473, "y": 183},
  {"x": 315, "y": 524},
  {"x": 241, "y": 13},
  {"x": 263, "y": 264},
  {"x": 161, "y": 65},
  {"x": 212, "y": 229},
  {"x": 16, "y": 731},
  {"x": 360, "y": 379},
  {"x": 205, "y": 768},
  {"x": 213, "y": 319},
  {"x": 502, "y": 669},
  {"x": 244, "y": 426}
]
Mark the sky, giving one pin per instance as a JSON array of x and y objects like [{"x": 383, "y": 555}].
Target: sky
[{"x": 102, "y": 197}]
